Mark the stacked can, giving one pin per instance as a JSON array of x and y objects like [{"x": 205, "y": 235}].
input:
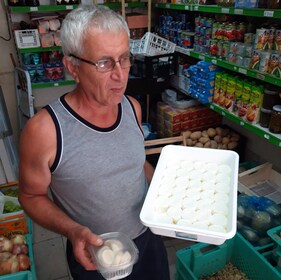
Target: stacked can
[
  {"x": 222, "y": 36},
  {"x": 176, "y": 29},
  {"x": 203, "y": 34}
]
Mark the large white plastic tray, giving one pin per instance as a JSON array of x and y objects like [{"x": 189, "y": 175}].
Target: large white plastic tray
[{"x": 174, "y": 153}]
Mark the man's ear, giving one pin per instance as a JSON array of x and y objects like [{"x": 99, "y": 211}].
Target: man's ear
[{"x": 71, "y": 68}]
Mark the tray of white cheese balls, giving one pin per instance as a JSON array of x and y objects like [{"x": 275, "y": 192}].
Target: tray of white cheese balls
[{"x": 193, "y": 194}]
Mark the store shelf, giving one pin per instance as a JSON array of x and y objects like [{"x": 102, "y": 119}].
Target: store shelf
[
  {"x": 222, "y": 10},
  {"x": 254, "y": 128},
  {"x": 53, "y": 84},
  {"x": 39, "y": 49},
  {"x": 233, "y": 67},
  {"x": 56, "y": 8},
  {"x": 264, "y": 133}
]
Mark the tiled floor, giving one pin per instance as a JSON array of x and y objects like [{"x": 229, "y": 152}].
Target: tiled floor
[{"x": 50, "y": 258}]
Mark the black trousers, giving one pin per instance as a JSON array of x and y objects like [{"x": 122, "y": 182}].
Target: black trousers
[{"x": 152, "y": 263}]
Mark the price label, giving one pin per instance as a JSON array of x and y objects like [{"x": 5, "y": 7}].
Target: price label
[
  {"x": 156, "y": 5},
  {"x": 186, "y": 7},
  {"x": 225, "y": 10},
  {"x": 260, "y": 76},
  {"x": 196, "y": 8},
  {"x": 126, "y": 5},
  {"x": 202, "y": 57},
  {"x": 238, "y": 11},
  {"x": 268, "y": 13},
  {"x": 168, "y": 6},
  {"x": 223, "y": 113},
  {"x": 242, "y": 71},
  {"x": 242, "y": 123},
  {"x": 266, "y": 136},
  {"x": 33, "y": 9},
  {"x": 214, "y": 61},
  {"x": 69, "y": 7},
  {"x": 212, "y": 107},
  {"x": 187, "y": 52},
  {"x": 56, "y": 84}
]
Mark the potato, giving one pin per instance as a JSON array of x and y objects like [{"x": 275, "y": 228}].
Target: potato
[
  {"x": 204, "y": 140},
  {"x": 218, "y": 138},
  {"x": 219, "y": 130},
  {"x": 225, "y": 132},
  {"x": 232, "y": 145},
  {"x": 214, "y": 144},
  {"x": 195, "y": 135},
  {"x": 199, "y": 145},
  {"x": 189, "y": 142},
  {"x": 204, "y": 133},
  {"x": 225, "y": 140},
  {"x": 186, "y": 134},
  {"x": 234, "y": 139},
  {"x": 211, "y": 132},
  {"x": 207, "y": 144}
]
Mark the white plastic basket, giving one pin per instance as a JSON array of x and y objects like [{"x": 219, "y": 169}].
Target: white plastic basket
[{"x": 151, "y": 44}]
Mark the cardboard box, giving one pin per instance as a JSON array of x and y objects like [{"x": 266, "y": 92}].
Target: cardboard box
[
  {"x": 135, "y": 20},
  {"x": 261, "y": 181},
  {"x": 12, "y": 223},
  {"x": 172, "y": 115}
]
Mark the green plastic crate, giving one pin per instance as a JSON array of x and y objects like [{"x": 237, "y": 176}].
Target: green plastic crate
[
  {"x": 275, "y": 235},
  {"x": 203, "y": 259},
  {"x": 27, "y": 274}
]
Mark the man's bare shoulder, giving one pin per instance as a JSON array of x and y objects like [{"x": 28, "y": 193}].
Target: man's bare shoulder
[{"x": 39, "y": 126}]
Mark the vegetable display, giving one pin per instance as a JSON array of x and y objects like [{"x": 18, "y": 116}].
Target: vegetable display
[
  {"x": 10, "y": 207},
  {"x": 215, "y": 138},
  {"x": 229, "y": 272},
  {"x": 13, "y": 254}
]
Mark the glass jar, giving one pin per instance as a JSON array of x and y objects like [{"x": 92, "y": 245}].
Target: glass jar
[
  {"x": 274, "y": 4},
  {"x": 275, "y": 120},
  {"x": 270, "y": 98},
  {"x": 265, "y": 117}
]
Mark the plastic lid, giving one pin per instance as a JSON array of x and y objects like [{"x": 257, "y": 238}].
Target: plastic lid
[
  {"x": 271, "y": 92},
  {"x": 277, "y": 108},
  {"x": 266, "y": 111}
]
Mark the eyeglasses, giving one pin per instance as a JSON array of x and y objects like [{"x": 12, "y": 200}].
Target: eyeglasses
[{"x": 108, "y": 64}]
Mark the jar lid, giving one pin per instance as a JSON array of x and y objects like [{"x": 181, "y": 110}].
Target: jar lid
[
  {"x": 277, "y": 108},
  {"x": 266, "y": 111},
  {"x": 271, "y": 92}
]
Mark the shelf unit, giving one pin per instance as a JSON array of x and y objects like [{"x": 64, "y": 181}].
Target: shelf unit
[
  {"x": 264, "y": 133},
  {"x": 214, "y": 9},
  {"x": 24, "y": 87}
]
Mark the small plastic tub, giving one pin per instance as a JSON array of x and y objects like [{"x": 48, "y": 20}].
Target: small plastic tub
[{"x": 116, "y": 257}]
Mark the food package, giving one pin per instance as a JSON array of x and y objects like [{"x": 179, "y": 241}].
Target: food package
[
  {"x": 256, "y": 215},
  {"x": 47, "y": 40}
]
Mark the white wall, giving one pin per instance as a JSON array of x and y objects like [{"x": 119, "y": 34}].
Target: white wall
[
  {"x": 7, "y": 71},
  {"x": 7, "y": 81}
]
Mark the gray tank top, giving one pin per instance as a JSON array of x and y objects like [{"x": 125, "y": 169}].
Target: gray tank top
[{"x": 98, "y": 177}]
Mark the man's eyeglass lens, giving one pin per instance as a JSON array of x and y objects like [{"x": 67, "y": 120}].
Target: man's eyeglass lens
[{"x": 108, "y": 64}]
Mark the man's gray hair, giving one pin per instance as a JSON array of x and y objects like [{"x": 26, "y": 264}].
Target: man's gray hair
[{"x": 76, "y": 25}]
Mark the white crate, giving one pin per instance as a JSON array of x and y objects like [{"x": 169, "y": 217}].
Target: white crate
[
  {"x": 151, "y": 44},
  {"x": 28, "y": 38},
  {"x": 173, "y": 155},
  {"x": 261, "y": 181}
]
